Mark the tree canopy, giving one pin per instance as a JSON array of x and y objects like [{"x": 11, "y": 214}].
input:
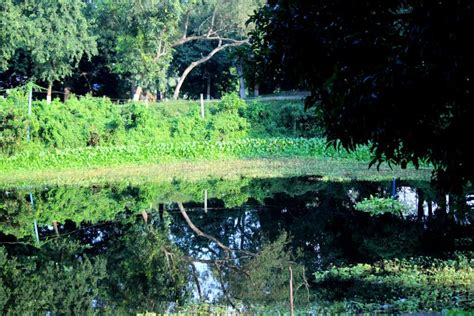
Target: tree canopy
[
  {"x": 393, "y": 74},
  {"x": 132, "y": 44}
]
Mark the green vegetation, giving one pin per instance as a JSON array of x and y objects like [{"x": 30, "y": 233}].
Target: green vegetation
[
  {"x": 380, "y": 205},
  {"x": 168, "y": 152},
  {"x": 337, "y": 170},
  {"x": 94, "y": 132},
  {"x": 94, "y": 192},
  {"x": 148, "y": 48},
  {"x": 397, "y": 286},
  {"x": 95, "y": 203},
  {"x": 142, "y": 271},
  {"x": 376, "y": 268},
  {"x": 97, "y": 122},
  {"x": 53, "y": 276}
]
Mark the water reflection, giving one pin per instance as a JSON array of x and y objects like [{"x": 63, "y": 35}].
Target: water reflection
[{"x": 123, "y": 249}]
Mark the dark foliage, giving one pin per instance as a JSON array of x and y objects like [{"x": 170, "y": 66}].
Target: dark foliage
[{"x": 397, "y": 74}]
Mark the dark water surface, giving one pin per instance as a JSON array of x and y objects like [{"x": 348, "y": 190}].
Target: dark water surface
[{"x": 164, "y": 247}]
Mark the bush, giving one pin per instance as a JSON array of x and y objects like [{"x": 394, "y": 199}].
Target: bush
[
  {"x": 232, "y": 103},
  {"x": 282, "y": 118},
  {"x": 97, "y": 122},
  {"x": 398, "y": 285},
  {"x": 11, "y": 131},
  {"x": 380, "y": 205}
]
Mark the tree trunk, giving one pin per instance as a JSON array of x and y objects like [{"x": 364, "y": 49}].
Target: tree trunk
[
  {"x": 421, "y": 211},
  {"x": 50, "y": 91},
  {"x": 67, "y": 93},
  {"x": 56, "y": 229},
  {"x": 196, "y": 63},
  {"x": 208, "y": 92},
  {"x": 441, "y": 210},
  {"x": 137, "y": 94},
  {"x": 196, "y": 280},
  {"x": 240, "y": 73},
  {"x": 256, "y": 90},
  {"x": 145, "y": 216}
]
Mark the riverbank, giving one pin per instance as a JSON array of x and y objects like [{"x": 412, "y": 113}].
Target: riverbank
[{"x": 330, "y": 169}]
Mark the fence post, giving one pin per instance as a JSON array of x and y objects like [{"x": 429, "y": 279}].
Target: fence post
[
  {"x": 30, "y": 98},
  {"x": 35, "y": 223},
  {"x": 292, "y": 309},
  {"x": 205, "y": 201},
  {"x": 202, "y": 106}
]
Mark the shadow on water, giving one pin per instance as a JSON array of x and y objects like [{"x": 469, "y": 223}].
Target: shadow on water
[{"x": 174, "y": 246}]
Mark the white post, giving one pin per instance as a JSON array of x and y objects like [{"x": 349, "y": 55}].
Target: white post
[
  {"x": 202, "y": 106},
  {"x": 50, "y": 92},
  {"x": 36, "y": 231},
  {"x": 205, "y": 201},
  {"x": 30, "y": 98},
  {"x": 34, "y": 221}
]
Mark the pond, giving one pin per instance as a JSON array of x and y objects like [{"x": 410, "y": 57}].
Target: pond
[{"x": 226, "y": 246}]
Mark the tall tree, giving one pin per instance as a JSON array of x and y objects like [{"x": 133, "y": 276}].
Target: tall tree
[
  {"x": 140, "y": 34},
  {"x": 58, "y": 36},
  {"x": 397, "y": 75},
  {"x": 223, "y": 23},
  {"x": 11, "y": 35}
]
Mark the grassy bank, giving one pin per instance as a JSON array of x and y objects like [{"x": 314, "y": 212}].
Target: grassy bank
[
  {"x": 329, "y": 169},
  {"x": 100, "y": 139}
]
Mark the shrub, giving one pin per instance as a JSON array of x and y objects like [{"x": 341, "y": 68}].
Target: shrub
[
  {"x": 232, "y": 103},
  {"x": 97, "y": 122},
  {"x": 380, "y": 205},
  {"x": 11, "y": 131},
  {"x": 399, "y": 285},
  {"x": 228, "y": 125}
]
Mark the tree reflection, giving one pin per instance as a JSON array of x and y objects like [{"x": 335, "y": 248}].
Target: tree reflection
[{"x": 123, "y": 249}]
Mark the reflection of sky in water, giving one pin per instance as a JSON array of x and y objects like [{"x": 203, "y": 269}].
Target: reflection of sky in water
[{"x": 210, "y": 286}]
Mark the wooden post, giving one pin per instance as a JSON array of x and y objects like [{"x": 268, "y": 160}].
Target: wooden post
[
  {"x": 292, "y": 311},
  {"x": 205, "y": 201},
  {"x": 202, "y": 106}
]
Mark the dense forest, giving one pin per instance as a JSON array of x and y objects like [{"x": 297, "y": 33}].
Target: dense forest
[
  {"x": 236, "y": 157},
  {"x": 135, "y": 49}
]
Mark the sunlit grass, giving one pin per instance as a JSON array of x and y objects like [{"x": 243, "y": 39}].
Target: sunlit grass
[{"x": 326, "y": 169}]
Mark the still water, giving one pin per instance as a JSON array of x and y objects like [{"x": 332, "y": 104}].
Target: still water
[{"x": 230, "y": 246}]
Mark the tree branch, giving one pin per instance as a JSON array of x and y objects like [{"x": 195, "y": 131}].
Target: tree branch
[
  {"x": 208, "y": 37},
  {"x": 160, "y": 52},
  {"x": 196, "y": 280},
  {"x": 203, "y": 60},
  {"x": 198, "y": 231}
]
